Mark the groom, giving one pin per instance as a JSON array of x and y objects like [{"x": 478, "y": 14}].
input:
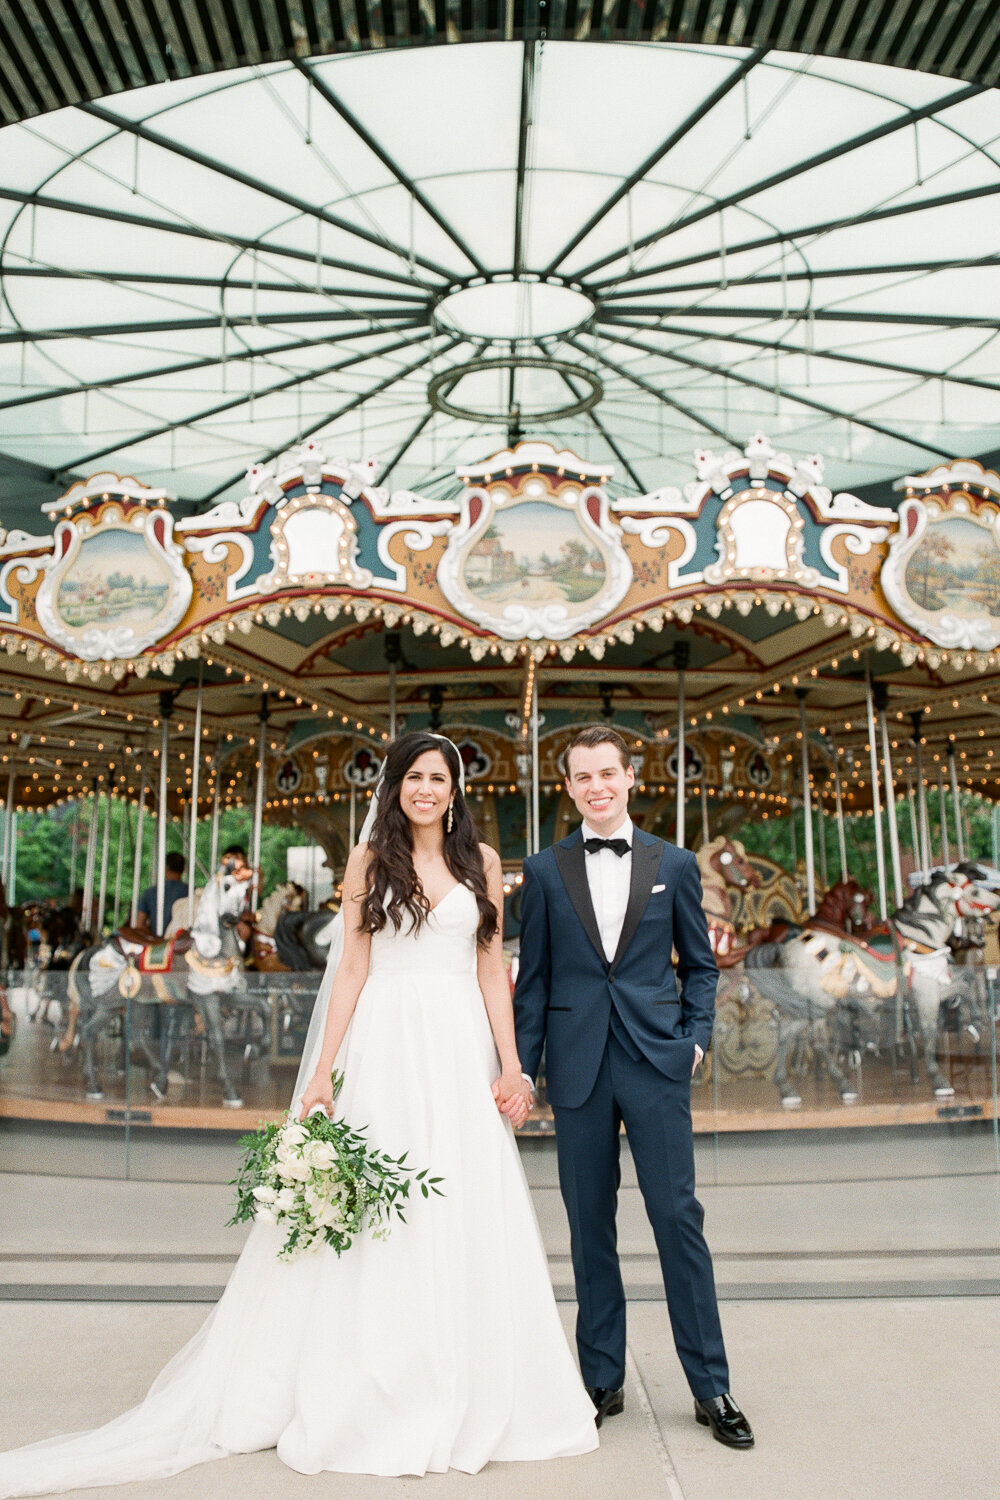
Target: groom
[{"x": 601, "y": 912}]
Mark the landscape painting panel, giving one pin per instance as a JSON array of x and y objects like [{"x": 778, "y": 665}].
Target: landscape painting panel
[
  {"x": 114, "y": 578},
  {"x": 536, "y": 554},
  {"x": 956, "y": 567}
]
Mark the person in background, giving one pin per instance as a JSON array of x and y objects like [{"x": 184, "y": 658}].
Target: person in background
[{"x": 174, "y": 887}]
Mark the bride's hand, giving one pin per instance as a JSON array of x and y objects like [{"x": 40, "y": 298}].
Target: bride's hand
[
  {"x": 512, "y": 1093},
  {"x": 319, "y": 1091}
]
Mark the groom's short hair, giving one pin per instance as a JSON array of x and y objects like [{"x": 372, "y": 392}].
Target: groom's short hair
[{"x": 598, "y": 734}]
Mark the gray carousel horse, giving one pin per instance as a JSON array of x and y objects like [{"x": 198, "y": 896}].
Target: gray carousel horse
[
  {"x": 202, "y": 968},
  {"x": 819, "y": 975}
]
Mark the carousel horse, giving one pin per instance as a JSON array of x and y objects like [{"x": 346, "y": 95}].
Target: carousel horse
[
  {"x": 724, "y": 869},
  {"x": 285, "y": 898},
  {"x": 775, "y": 898},
  {"x": 821, "y": 970},
  {"x": 288, "y": 938},
  {"x": 201, "y": 968}
]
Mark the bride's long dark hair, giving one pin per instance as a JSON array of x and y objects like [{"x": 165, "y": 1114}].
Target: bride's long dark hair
[{"x": 393, "y": 889}]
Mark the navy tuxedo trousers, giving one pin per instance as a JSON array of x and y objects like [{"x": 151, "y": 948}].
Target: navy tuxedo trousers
[{"x": 657, "y": 1114}]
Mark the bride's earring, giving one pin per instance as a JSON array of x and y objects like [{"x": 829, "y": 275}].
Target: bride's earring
[{"x": 451, "y": 816}]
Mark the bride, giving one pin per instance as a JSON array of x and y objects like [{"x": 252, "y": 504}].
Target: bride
[{"x": 408, "y": 1355}]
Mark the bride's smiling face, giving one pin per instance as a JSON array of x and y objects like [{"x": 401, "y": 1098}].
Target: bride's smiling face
[{"x": 425, "y": 791}]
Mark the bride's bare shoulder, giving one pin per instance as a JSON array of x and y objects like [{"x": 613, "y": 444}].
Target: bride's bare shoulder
[
  {"x": 357, "y": 863},
  {"x": 491, "y": 859}
]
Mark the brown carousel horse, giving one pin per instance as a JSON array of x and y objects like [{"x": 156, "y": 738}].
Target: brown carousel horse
[{"x": 725, "y": 871}]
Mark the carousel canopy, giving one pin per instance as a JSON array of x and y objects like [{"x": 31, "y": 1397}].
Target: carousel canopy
[{"x": 638, "y": 250}]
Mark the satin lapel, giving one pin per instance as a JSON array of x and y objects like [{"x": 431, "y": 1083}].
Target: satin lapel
[
  {"x": 645, "y": 863},
  {"x": 570, "y": 860}
]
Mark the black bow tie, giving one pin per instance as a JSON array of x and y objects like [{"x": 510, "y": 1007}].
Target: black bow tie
[{"x": 617, "y": 846}]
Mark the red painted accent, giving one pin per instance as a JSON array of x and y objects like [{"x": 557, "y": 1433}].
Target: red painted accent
[
  {"x": 65, "y": 537},
  {"x": 594, "y": 509},
  {"x": 475, "y": 509},
  {"x": 911, "y": 521},
  {"x": 160, "y": 530}
]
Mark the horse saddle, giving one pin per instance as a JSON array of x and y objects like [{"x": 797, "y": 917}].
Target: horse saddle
[{"x": 158, "y": 954}]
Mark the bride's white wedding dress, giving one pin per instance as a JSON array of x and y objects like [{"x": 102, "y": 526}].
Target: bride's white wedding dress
[{"x": 438, "y": 1348}]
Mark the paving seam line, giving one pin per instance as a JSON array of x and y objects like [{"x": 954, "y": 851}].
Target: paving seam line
[{"x": 671, "y": 1480}]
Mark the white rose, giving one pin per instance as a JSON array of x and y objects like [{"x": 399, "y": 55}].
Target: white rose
[
  {"x": 286, "y": 1151},
  {"x": 265, "y": 1216},
  {"x": 285, "y": 1200},
  {"x": 294, "y": 1134},
  {"x": 320, "y": 1154},
  {"x": 264, "y": 1194}
]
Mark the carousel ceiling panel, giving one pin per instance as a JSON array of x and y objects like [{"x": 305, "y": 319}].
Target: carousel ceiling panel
[{"x": 329, "y": 217}]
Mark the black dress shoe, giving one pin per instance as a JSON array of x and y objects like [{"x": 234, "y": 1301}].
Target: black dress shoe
[
  {"x": 608, "y": 1403},
  {"x": 727, "y": 1422}
]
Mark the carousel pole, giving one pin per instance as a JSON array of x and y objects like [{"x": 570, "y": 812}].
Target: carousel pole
[
  {"x": 120, "y": 863},
  {"x": 800, "y": 693},
  {"x": 162, "y": 812},
  {"x": 535, "y": 837},
  {"x": 213, "y": 851},
  {"x": 258, "y": 804},
  {"x": 12, "y": 898},
  {"x": 705, "y": 838},
  {"x": 393, "y": 655},
  {"x": 137, "y": 852},
  {"x": 193, "y": 822},
  {"x": 882, "y": 698},
  {"x": 102, "y": 889},
  {"x": 883, "y": 905},
  {"x": 956, "y": 801},
  {"x": 925, "y": 833},
  {"x": 74, "y": 848},
  {"x": 87, "y": 916},
  {"x": 8, "y": 824},
  {"x": 682, "y": 657},
  {"x": 911, "y": 800},
  {"x": 841, "y": 831},
  {"x": 943, "y": 817},
  {"x": 821, "y": 838}
]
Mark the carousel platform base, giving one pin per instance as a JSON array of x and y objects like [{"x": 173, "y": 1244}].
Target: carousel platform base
[{"x": 196, "y": 1116}]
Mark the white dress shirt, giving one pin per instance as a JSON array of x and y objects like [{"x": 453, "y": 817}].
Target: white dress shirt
[{"x": 609, "y": 876}]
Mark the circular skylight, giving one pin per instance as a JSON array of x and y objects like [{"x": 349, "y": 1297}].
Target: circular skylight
[
  {"x": 515, "y": 310},
  {"x": 197, "y": 275}
]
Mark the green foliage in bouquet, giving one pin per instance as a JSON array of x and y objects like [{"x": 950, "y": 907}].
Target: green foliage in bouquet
[{"x": 322, "y": 1182}]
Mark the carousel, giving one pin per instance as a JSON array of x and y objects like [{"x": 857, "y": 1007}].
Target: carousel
[{"x": 807, "y": 683}]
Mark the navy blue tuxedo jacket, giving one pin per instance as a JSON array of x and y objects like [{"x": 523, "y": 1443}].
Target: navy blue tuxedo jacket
[{"x": 566, "y": 987}]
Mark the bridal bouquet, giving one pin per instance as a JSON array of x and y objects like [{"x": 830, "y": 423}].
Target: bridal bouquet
[{"x": 322, "y": 1182}]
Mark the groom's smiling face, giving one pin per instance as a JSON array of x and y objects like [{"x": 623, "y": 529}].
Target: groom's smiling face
[{"x": 599, "y": 785}]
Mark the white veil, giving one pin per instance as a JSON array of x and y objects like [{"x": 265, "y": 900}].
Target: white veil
[{"x": 313, "y": 1044}]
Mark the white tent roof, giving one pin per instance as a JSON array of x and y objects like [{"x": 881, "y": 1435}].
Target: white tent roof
[{"x": 196, "y": 274}]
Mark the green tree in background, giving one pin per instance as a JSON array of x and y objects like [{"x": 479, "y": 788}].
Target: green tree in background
[
  {"x": 45, "y": 841},
  {"x": 776, "y": 838}
]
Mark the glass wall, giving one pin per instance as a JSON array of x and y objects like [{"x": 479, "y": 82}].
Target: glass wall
[{"x": 825, "y": 1051}]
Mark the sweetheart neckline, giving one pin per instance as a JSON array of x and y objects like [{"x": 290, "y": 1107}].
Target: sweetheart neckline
[{"x": 458, "y": 886}]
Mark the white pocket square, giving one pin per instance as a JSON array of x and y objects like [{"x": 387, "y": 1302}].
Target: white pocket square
[{"x": 657, "y": 888}]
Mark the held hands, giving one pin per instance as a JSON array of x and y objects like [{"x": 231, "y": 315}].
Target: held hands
[
  {"x": 513, "y": 1094},
  {"x": 319, "y": 1092}
]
